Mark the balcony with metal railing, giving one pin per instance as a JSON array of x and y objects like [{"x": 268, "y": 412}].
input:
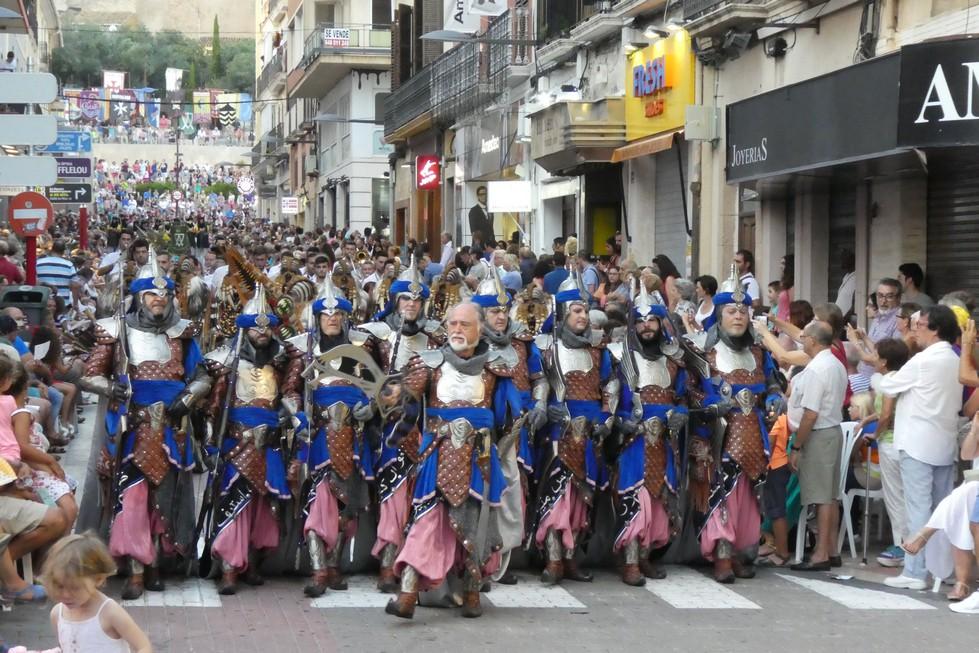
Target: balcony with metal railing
[
  {"x": 709, "y": 17},
  {"x": 409, "y": 104},
  {"x": 273, "y": 75},
  {"x": 331, "y": 51}
]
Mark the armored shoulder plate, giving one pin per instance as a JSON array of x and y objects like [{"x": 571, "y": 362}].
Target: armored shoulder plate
[
  {"x": 694, "y": 356},
  {"x": 379, "y": 330},
  {"x": 299, "y": 342},
  {"x": 616, "y": 349},
  {"x": 219, "y": 355},
  {"x": 110, "y": 326},
  {"x": 358, "y": 337},
  {"x": 544, "y": 341},
  {"x": 179, "y": 329},
  {"x": 431, "y": 357}
]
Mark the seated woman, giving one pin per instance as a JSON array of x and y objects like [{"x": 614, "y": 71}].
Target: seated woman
[
  {"x": 954, "y": 527},
  {"x": 52, "y": 370}
]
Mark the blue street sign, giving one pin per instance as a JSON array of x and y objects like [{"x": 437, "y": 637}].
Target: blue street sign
[{"x": 69, "y": 142}]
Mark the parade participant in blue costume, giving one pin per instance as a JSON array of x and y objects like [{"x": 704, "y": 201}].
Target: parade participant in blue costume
[
  {"x": 584, "y": 396},
  {"x": 646, "y": 447},
  {"x": 338, "y": 459},
  {"x": 460, "y": 476},
  {"x": 737, "y": 386},
  {"x": 520, "y": 404},
  {"x": 399, "y": 333},
  {"x": 267, "y": 393},
  {"x": 152, "y": 501}
]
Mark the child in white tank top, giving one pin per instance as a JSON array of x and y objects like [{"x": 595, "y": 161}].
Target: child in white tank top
[{"x": 87, "y": 621}]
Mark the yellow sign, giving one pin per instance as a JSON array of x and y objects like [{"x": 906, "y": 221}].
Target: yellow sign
[{"x": 659, "y": 85}]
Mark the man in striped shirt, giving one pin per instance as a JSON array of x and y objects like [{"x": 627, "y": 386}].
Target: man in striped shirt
[{"x": 55, "y": 270}]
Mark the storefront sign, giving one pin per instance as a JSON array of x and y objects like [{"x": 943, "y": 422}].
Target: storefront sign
[
  {"x": 845, "y": 116},
  {"x": 289, "y": 206},
  {"x": 939, "y": 103},
  {"x": 659, "y": 86},
  {"x": 428, "y": 172}
]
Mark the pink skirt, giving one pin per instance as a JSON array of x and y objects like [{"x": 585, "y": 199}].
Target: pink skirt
[
  {"x": 394, "y": 514},
  {"x": 132, "y": 529},
  {"x": 254, "y": 528},
  {"x": 736, "y": 520},
  {"x": 324, "y": 516},
  {"x": 651, "y": 525},
  {"x": 568, "y": 517}
]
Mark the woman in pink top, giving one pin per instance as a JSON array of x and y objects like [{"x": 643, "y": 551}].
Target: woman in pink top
[{"x": 48, "y": 479}]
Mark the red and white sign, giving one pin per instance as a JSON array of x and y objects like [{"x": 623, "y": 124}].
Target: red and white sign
[
  {"x": 428, "y": 172},
  {"x": 177, "y": 195},
  {"x": 30, "y": 214},
  {"x": 289, "y": 206}
]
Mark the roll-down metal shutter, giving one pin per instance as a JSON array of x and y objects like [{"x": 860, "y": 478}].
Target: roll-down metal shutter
[{"x": 953, "y": 229}]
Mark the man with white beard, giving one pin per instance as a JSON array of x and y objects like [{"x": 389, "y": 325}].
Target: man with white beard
[{"x": 460, "y": 475}]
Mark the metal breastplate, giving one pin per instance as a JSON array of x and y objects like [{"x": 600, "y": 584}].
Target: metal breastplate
[
  {"x": 147, "y": 347},
  {"x": 410, "y": 345},
  {"x": 574, "y": 360},
  {"x": 453, "y": 385},
  {"x": 728, "y": 360},
  {"x": 256, "y": 382},
  {"x": 653, "y": 372}
]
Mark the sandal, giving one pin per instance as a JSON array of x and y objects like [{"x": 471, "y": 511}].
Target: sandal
[
  {"x": 765, "y": 550},
  {"x": 37, "y": 595},
  {"x": 959, "y": 592},
  {"x": 772, "y": 560},
  {"x": 918, "y": 542}
]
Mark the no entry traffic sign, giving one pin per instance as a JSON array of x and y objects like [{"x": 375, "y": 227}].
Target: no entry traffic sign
[{"x": 30, "y": 214}]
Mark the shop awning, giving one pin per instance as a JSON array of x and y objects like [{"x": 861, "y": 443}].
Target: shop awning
[{"x": 646, "y": 146}]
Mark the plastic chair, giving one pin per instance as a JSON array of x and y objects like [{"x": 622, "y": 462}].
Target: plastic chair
[
  {"x": 848, "y": 499},
  {"x": 850, "y": 436}
]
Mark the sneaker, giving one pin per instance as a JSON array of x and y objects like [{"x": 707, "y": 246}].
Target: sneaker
[
  {"x": 969, "y": 605},
  {"x": 892, "y": 556},
  {"x": 905, "y": 582}
]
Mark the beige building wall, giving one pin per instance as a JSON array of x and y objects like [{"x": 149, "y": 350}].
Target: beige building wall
[{"x": 192, "y": 17}]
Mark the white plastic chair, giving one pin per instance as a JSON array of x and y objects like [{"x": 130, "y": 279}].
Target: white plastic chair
[
  {"x": 850, "y": 436},
  {"x": 847, "y": 500}
]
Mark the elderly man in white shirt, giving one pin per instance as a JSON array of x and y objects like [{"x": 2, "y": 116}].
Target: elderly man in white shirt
[
  {"x": 815, "y": 410},
  {"x": 926, "y": 421}
]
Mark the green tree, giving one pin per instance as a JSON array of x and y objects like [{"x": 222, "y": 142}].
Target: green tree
[
  {"x": 191, "y": 78},
  {"x": 217, "y": 66}
]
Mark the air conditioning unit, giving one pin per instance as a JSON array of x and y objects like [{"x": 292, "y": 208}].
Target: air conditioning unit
[{"x": 312, "y": 166}]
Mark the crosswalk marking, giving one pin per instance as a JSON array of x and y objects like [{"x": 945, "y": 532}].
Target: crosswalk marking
[
  {"x": 529, "y": 593},
  {"x": 688, "y": 589},
  {"x": 856, "y": 598},
  {"x": 182, "y": 593},
  {"x": 361, "y": 592}
]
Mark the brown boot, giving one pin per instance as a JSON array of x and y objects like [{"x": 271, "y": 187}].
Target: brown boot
[
  {"x": 722, "y": 571},
  {"x": 650, "y": 570},
  {"x": 228, "y": 586},
  {"x": 387, "y": 582},
  {"x": 153, "y": 581},
  {"x": 334, "y": 580},
  {"x": 573, "y": 572},
  {"x": 741, "y": 568},
  {"x": 631, "y": 575},
  {"x": 470, "y": 605},
  {"x": 317, "y": 584},
  {"x": 404, "y": 605},
  {"x": 133, "y": 589},
  {"x": 252, "y": 576},
  {"x": 553, "y": 572}
]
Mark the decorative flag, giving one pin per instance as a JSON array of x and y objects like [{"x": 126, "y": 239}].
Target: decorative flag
[
  {"x": 122, "y": 106},
  {"x": 202, "y": 107},
  {"x": 174, "y": 78},
  {"x": 245, "y": 108},
  {"x": 114, "y": 80},
  {"x": 214, "y": 103},
  {"x": 91, "y": 105},
  {"x": 152, "y": 110},
  {"x": 458, "y": 18},
  {"x": 227, "y": 108},
  {"x": 486, "y": 7}
]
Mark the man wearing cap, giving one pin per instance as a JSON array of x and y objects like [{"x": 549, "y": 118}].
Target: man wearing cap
[
  {"x": 399, "y": 333},
  {"x": 584, "y": 394},
  {"x": 153, "y": 509},
  {"x": 520, "y": 405},
  {"x": 737, "y": 389},
  {"x": 266, "y": 395},
  {"x": 646, "y": 445},
  {"x": 338, "y": 463}
]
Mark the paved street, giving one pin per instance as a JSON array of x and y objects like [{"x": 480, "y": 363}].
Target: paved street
[{"x": 688, "y": 611}]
